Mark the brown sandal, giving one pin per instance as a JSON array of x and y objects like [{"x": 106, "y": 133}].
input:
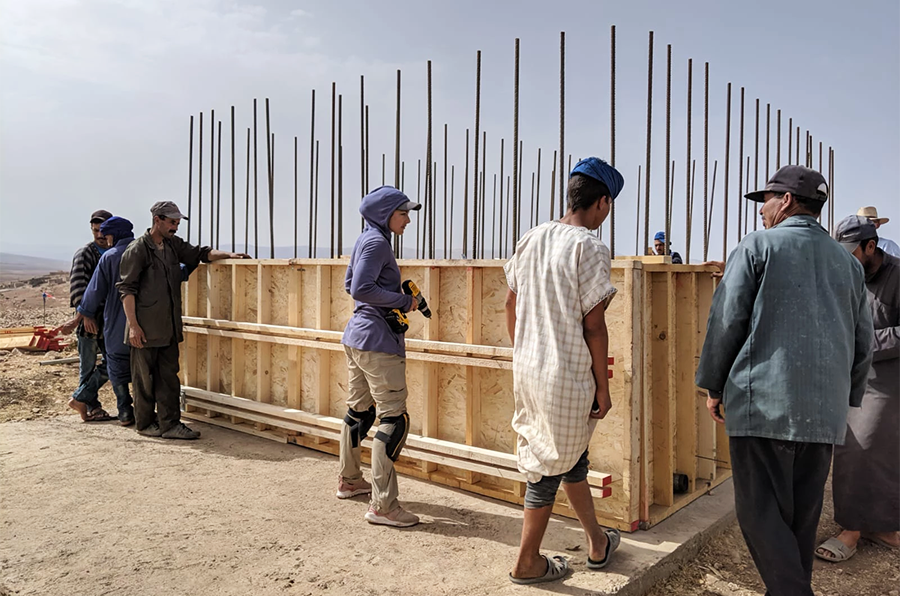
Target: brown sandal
[{"x": 99, "y": 415}]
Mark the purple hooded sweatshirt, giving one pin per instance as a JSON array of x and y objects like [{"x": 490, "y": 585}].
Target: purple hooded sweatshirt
[{"x": 373, "y": 278}]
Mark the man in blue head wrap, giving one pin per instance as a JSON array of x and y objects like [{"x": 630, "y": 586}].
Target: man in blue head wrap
[
  {"x": 661, "y": 247},
  {"x": 102, "y": 293},
  {"x": 559, "y": 288}
]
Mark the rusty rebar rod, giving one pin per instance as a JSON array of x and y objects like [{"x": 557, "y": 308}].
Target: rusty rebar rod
[
  {"x": 637, "y": 216},
  {"x": 687, "y": 178},
  {"x": 219, "y": 187},
  {"x": 200, "y": 184},
  {"x": 669, "y": 176},
  {"x": 778, "y": 140},
  {"x": 312, "y": 157},
  {"x": 270, "y": 150},
  {"x": 537, "y": 195},
  {"x": 212, "y": 179},
  {"x": 612, "y": 135},
  {"x": 465, "y": 224},
  {"x": 756, "y": 157},
  {"x": 706, "y": 215},
  {"x": 396, "y": 159},
  {"x": 444, "y": 255},
  {"x": 233, "y": 214},
  {"x": 515, "y": 177},
  {"x": 562, "y": 117},
  {"x": 768, "y": 137},
  {"x": 727, "y": 168},
  {"x": 255, "y": 183},
  {"x": 190, "y": 177},
  {"x": 247, "y": 200},
  {"x": 475, "y": 163}
]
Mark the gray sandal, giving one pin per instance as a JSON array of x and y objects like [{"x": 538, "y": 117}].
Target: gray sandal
[
  {"x": 557, "y": 568},
  {"x": 841, "y": 551},
  {"x": 613, "y": 538}
]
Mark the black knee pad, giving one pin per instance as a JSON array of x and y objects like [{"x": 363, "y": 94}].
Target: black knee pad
[
  {"x": 359, "y": 423},
  {"x": 394, "y": 441}
]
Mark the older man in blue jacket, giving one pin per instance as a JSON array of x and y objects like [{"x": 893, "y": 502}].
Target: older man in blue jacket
[
  {"x": 376, "y": 358},
  {"x": 102, "y": 292},
  {"x": 787, "y": 351}
]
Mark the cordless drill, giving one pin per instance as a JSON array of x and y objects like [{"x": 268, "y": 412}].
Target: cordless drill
[{"x": 410, "y": 288}]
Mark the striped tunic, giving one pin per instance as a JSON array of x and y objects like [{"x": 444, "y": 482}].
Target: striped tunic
[{"x": 83, "y": 265}]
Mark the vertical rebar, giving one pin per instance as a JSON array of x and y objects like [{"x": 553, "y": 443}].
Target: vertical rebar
[
  {"x": 562, "y": 116},
  {"x": 756, "y": 157},
  {"x": 368, "y": 155},
  {"x": 797, "y": 148},
  {"x": 396, "y": 159},
  {"x": 668, "y": 212},
  {"x": 712, "y": 202},
  {"x": 363, "y": 153},
  {"x": 465, "y": 218},
  {"x": 637, "y": 216},
  {"x": 475, "y": 163},
  {"x": 649, "y": 119},
  {"x": 429, "y": 180},
  {"x": 741, "y": 207},
  {"x": 768, "y": 137},
  {"x": 747, "y": 202},
  {"x": 212, "y": 180},
  {"x": 255, "y": 184},
  {"x": 418, "y": 200},
  {"x": 312, "y": 157},
  {"x": 332, "y": 152},
  {"x": 247, "y": 200},
  {"x": 219, "y": 187},
  {"x": 553, "y": 186},
  {"x": 316, "y": 207},
  {"x": 727, "y": 168},
  {"x": 790, "y": 136},
  {"x": 340, "y": 201},
  {"x": 233, "y": 214},
  {"x": 270, "y": 153},
  {"x": 481, "y": 191},
  {"x": 706, "y": 217},
  {"x": 444, "y": 255},
  {"x": 537, "y": 196},
  {"x": 612, "y": 135},
  {"x": 687, "y": 178},
  {"x": 190, "y": 178},
  {"x": 515, "y": 177},
  {"x": 199, "y": 184},
  {"x": 495, "y": 238},
  {"x": 518, "y": 220},
  {"x": 295, "y": 197},
  {"x": 503, "y": 241},
  {"x": 531, "y": 214},
  {"x": 452, "y": 189}
]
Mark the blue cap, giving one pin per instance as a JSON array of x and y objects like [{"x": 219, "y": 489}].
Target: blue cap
[
  {"x": 661, "y": 236},
  {"x": 599, "y": 170}
]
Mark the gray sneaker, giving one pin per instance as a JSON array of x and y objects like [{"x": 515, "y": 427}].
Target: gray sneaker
[
  {"x": 398, "y": 518},
  {"x": 180, "y": 431},
  {"x": 150, "y": 431}
]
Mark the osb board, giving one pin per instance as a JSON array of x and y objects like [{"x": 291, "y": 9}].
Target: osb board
[
  {"x": 278, "y": 295},
  {"x": 225, "y": 365},
  {"x": 493, "y": 308},
  {"x": 415, "y": 402},
  {"x": 341, "y": 303},
  {"x": 222, "y": 275},
  {"x": 202, "y": 292},
  {"x": 309, "y": 359},
  {"x": 453, "y": 304},
  {"x": 309, "y": 302},
  {"x": 338, "y": 385},
  {"x": 250, "y": 366},
  {"x": 279, "y": 374},
  {"x": 497, "y": 406},
  {"x": 201, "y": 361},
  {"x": 452, "y": 403}
]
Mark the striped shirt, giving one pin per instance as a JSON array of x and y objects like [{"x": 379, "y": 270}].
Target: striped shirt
[{"x": 83, "y": 265}]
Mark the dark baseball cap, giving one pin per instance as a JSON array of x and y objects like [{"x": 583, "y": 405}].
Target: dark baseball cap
[
  {"x": 167, "y": 209},
  {"x": 100, "y": 215},
  {"x": 854, "y": 230},
  {"x": 798, "y": 180},
  {"x": 409, "y": 206}
]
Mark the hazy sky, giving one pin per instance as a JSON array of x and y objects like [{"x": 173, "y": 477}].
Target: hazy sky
[{"x": 96, "y": 99}]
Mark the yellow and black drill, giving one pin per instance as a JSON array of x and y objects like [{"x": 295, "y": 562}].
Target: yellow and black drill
[{"x": 397, "y": 319}]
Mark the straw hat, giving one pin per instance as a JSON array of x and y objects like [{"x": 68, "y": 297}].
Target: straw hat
[{"x": 871, "y": 213}]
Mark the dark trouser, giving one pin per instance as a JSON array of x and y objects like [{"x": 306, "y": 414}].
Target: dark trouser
[
  {"x": 91, "y": 376},
  {"x": 778, "y": 489},
  {"x": 154, "y": 377}
]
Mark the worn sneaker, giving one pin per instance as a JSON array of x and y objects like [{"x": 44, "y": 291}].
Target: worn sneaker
[
  {"x": 150, "y": 431},
  {"x": 398, "y": 518},
  {"x": 351, "y": 489},
  {"x": 180, "y": 431}
]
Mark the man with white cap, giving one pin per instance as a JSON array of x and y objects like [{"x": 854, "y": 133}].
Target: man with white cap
[
  {"x": 787, "y": 352},
  {"x": 885, "y": 244},
  {"x": 150, "y": 287}
]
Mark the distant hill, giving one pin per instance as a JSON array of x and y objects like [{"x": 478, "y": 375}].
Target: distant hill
[{"x": 15, "y": 267}]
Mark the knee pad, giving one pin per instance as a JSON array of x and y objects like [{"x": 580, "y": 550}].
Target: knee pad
[
  {"x": 394, "y": 440},
  {"x": 359, "y": 423}
]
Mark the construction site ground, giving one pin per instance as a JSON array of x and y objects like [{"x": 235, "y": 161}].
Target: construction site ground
[{"x": 97, "y": 509}]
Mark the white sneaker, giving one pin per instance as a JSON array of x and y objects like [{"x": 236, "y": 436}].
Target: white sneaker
[
  {"x": 398, "y": 518},
  {"x": 351, "y": 489}
]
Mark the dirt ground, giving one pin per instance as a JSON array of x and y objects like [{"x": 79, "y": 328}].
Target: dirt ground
[{"x": 96, "y": 509}]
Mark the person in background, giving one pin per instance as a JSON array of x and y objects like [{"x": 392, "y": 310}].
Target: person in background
[
  {"x": 559, "y": 289},
  {"x": 102, "y": 297},
  {"x": 885, "y": 244},
  {"x": 150, "y": 288},
  {"x": 661, "y": 247},
  {"x": 787, "y": 351},
  {"x": 866, "y": 470},
  {"x": 91, "y": 375}
]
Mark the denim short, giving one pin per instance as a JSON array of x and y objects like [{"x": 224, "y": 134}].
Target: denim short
[{"x": 543, "y": 493}]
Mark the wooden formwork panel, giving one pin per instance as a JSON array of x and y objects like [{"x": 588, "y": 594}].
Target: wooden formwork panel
[{"x": 269, "y": 331}]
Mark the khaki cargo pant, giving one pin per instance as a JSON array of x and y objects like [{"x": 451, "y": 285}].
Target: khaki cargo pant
[{"x": 375, "y": 379}]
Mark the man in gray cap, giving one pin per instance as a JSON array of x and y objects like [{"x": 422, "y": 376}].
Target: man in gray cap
[
  {"x": 787, "y": 351},
  {"x": 866, "y": 474},
  {"x": 151, "y": 296}
]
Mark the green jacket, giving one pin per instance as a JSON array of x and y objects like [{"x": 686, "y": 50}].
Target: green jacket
[
  {"x": 154, "y": 277},
  {"x": 789, "y": 337}
]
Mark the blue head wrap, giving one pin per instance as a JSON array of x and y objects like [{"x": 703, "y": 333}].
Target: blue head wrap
[
  {"x": 596, "y": 168},
  {"x": 117, "y": 227},
  {"x": 661, "y": 236}
]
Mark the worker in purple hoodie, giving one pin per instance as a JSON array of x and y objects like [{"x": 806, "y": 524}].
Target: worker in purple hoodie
[{"x": 376, "y": 358}]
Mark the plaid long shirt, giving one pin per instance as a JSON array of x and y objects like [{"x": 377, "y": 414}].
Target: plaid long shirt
[{"x": 559, "y": 274}]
